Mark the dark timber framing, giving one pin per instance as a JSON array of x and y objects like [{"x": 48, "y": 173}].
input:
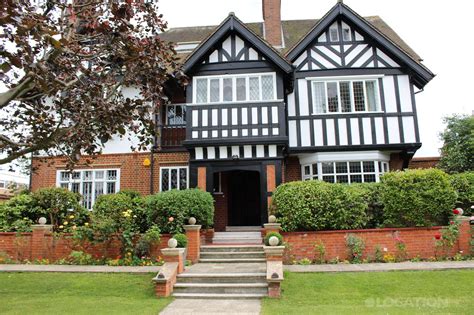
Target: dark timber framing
[
  {"x": 233, "y": 25},
  {"x": 421, "y": 74}
]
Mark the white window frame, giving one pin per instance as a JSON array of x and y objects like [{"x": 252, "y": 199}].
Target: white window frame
[
  {"x": 234, "y": 77},
  {"x": 351, "y": 80},
  {"x": 175, "y": 105},
  {"x": 70, "y": 181},
  {"x": 319, "y": 176},
  {"x": 169, "y": 168}
]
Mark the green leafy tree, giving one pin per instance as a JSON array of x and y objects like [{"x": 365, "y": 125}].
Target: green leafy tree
[{"x": 457, "y": 153}]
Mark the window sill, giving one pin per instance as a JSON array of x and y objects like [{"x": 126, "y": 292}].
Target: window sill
[{"x": 347, "y": 113}]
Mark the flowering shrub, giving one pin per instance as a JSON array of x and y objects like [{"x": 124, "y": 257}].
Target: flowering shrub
[
  {"x": 355, "y": 246},
  {"x": 445, "y": 241},
  {"x": 389, "y": 258},
  {"x": 401, "y": 249},
  {"x": 60, "y": 207}
]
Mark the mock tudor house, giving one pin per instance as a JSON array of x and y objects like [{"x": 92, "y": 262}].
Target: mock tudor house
[{"x": 331, "y": 99}]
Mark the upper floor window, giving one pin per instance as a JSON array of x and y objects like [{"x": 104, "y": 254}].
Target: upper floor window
[
  {"x": 175, "y": 115},
  {"x": 345, "y": 96},
  {"x": 174, "y": 177},
  {"x": 90, "y": 183},
  {"x": 235, "y": 88},
  {"x": 334, "y": 33}
]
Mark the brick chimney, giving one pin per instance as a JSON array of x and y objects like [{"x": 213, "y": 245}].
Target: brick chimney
[{"x": 272, "y": 21}]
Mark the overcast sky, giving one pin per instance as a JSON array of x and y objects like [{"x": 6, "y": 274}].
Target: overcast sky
[{"x": 439, "y": 31}]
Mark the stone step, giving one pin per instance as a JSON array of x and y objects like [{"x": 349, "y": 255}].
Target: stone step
[
  {"x": 242, "y": 288},
  {"x": 231, "y": 260},
  {"x": 231, "y": 248},
  {"x": 255, "y": 277},
  {"x": 219, "y": 296},
  {"x": 237, "y": 241},
  {"x": 253, "y": 254},
  {"x": 243, "y": 228}
]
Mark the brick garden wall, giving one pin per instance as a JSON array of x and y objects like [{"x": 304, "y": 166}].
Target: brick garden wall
[
  {"x": 133, "y": 174},
  {"x": 419, "y": 242}
]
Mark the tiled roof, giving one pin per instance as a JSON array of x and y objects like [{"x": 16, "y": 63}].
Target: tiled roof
[{"x": 293, "y": 32}]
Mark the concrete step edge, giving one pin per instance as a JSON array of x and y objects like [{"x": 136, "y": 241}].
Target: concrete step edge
[
  {"x": 222, "y": 275},
  {"x": 220, "y": 295},
  {"x": 222, "y": 285}
]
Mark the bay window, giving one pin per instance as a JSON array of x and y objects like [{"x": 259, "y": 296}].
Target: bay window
[
  {"x": 345, "y": 171},
  {"x": 345, "y": 96},
  {"x": 235, "y": 88},
  {"x": 90, "y": 183}
]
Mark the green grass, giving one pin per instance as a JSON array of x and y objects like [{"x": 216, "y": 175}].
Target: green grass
[
  {"x": 72, "y": 293},
  {"x": 417, "y": 292}
]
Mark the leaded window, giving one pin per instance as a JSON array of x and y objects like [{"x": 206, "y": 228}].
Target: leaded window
[
  {"x": 175, "y": 177},
  {"x": 90, "y": 183},
  {"x": 345, "y": 171},
  {"x": 175, "y": 115},
  {"x": 231, "y": 88},
  {"x": 345, "y": 96}
]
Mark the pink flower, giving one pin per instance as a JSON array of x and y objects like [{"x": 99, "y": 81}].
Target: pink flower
[{"x": 170, "y": 219}]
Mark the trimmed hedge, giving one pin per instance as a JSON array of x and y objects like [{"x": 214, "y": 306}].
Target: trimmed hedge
[
  {"x": 417, "y": 198},
  {"x": 315, "y": 205},
  {"x": 463, "y": 183},
  {"x": 171, "y": 210}
]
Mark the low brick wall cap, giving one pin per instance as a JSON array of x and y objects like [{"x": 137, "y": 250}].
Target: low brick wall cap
[
  {"x": 272, "y": 225},
  {"x": 274, "y": 250},
  {"x": 172, "y": 251},
  {"x": 192, "y": 227}
]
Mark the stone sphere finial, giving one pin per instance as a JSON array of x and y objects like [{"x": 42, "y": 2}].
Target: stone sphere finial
[
  {"x": 42, "y": 221},
  {"x": 273, "y": 241},
  {"x": 272, "y": 219},
  {"x": 192, "y": 220},
  {"x": 172, "y": 243}
]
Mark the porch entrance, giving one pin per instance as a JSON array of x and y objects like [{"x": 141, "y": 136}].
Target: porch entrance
[{"x": 244, "y": 202}]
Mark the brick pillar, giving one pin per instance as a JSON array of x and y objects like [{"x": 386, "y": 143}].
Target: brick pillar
[
  {"x": 39, "y": 243},
  {"x": 201, "y": 182},
  {"x": 464, "y": 241},
  {"x": 174, "y": 255},
  {"x": 274, "y": 256},
  {"x": 194, "y": 242},
  {"x": 271, "y": 182},
  {"x": 271, "y": 227}
]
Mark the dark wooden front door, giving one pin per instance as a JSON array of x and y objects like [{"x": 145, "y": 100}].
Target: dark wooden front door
[{"x": 244, "y": 198}]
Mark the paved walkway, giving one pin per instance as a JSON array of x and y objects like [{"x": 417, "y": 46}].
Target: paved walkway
[
  {"x": 444, "y": 265},
  {"x": 207, "y": 306},
  {"x": 75, "y": 268}
]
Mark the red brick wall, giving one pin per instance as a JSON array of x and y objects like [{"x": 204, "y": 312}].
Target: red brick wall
[
  {"x": 133, "y": 174},
  {"x": 419, "y": 242},
  {"x": 221, "y": 206},
  {"x": 292, "y": 169},
  {"x": 21, "y": 247},
  {"x": 424, "y": 162}
]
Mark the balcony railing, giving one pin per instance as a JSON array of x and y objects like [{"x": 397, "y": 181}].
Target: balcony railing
[{"x": 229, "y": 122}]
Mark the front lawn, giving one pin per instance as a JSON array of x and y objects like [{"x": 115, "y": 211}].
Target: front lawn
[
  {"x": 73, "y": 293},
  {"x": 399, "y": 292}
]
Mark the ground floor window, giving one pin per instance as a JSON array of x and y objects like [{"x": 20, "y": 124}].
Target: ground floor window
[
  {"x": 174, "y": 177},
  {"x": 90, "y": 183},
  {"x": 345, "y": 171}
]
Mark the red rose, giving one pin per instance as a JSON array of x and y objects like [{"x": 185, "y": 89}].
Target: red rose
[
  {"x": 451, "y": 222},
  {"x": 438, "y": 236},
  {"x": 456, "y": 211}
]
